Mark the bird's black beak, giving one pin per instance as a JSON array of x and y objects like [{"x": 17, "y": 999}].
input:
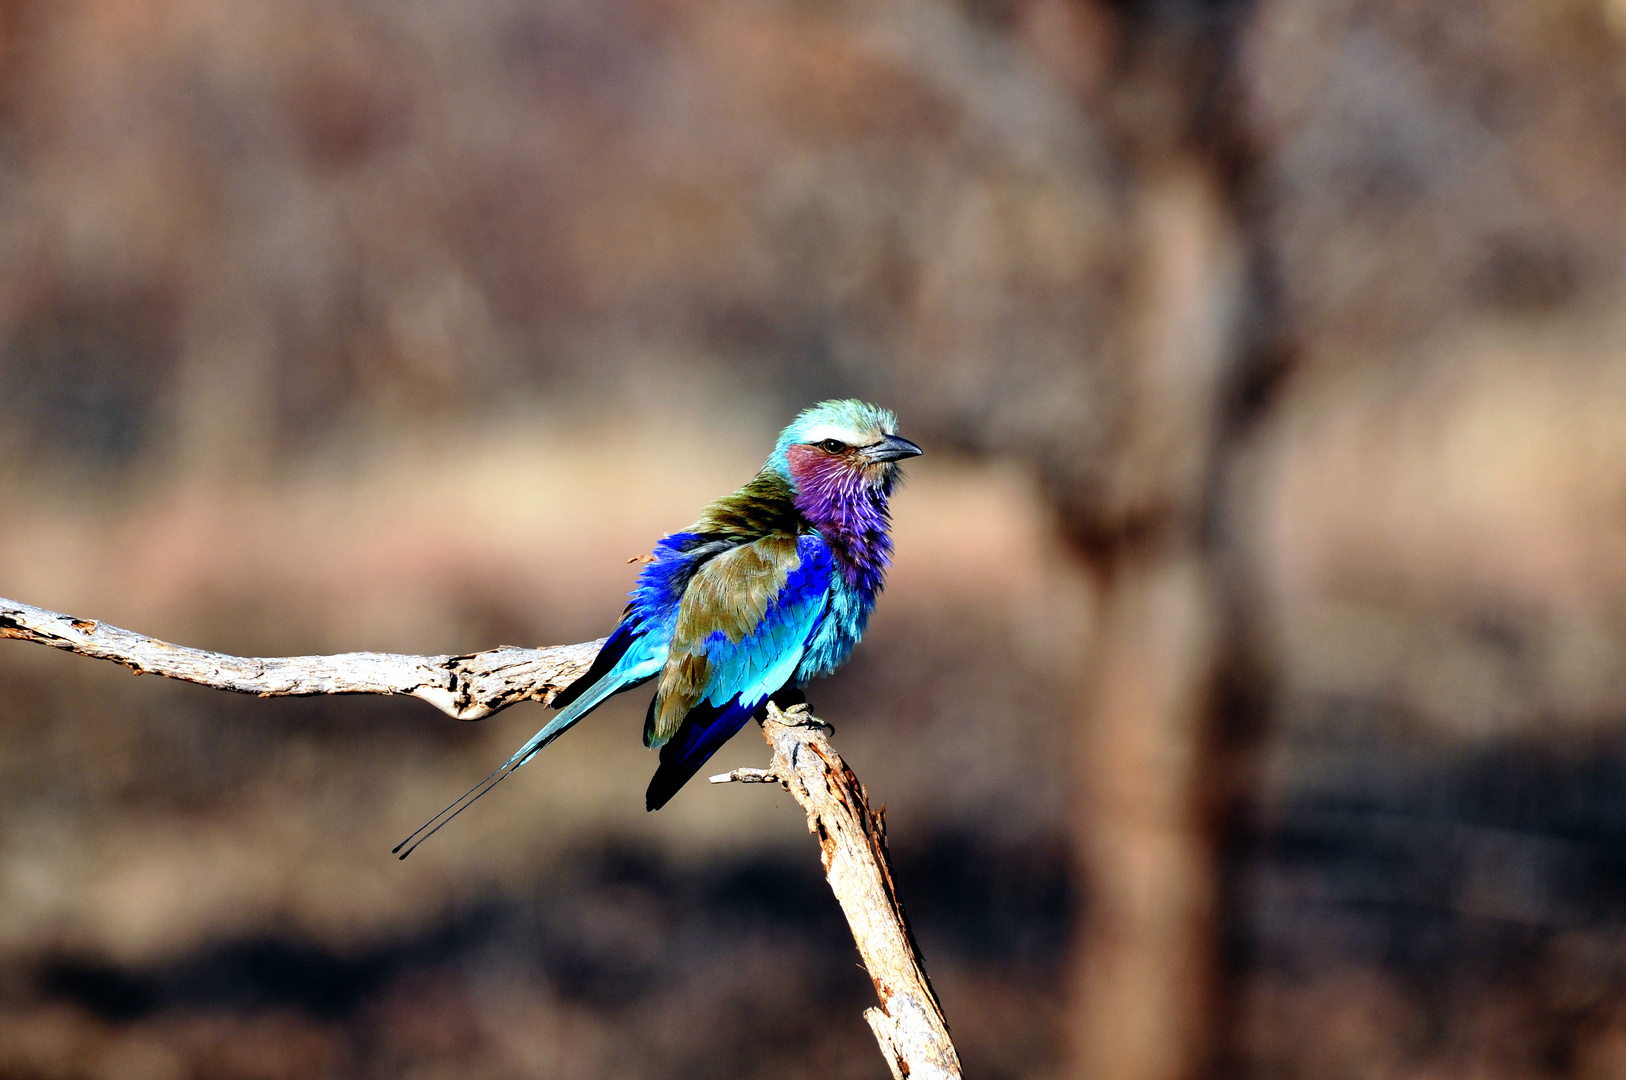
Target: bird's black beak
[{"x": 891, "y": 448}]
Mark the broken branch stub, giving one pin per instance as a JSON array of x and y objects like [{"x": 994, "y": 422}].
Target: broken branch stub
[{"x": 909, "y": 1022}]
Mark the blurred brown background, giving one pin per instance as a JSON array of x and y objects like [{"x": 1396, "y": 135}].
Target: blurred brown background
[{"x": 1249, "y": 698}]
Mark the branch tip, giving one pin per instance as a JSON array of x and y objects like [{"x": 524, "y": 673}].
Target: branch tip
[{"x": 745, "y": 776}]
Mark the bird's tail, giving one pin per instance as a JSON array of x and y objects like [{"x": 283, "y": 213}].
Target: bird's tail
[{"x": 627, "y": 673}]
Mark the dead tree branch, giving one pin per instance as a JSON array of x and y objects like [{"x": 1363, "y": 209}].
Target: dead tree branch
[
  {"x": 468, "y": 687},
  {"x": 909, "y": 1023}
]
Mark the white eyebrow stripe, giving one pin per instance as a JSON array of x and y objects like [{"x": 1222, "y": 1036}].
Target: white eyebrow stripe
[{"x": 835, "y": 431}]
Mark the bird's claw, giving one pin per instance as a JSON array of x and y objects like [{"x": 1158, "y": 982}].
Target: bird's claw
[{"x": 801, "y": 715}]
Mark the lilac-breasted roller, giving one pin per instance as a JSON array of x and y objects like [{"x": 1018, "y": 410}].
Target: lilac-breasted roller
[{"x": 771, "y": 586}]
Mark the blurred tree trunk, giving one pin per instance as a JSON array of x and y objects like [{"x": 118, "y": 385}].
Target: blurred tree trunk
[{"x": 1145, "y": 977}]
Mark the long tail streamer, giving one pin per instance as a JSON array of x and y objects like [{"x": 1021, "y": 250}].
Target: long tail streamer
[{"x": 460, "y": 804}]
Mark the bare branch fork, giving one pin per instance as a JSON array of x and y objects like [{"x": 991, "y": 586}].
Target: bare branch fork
[{"x": 908, "y": 1023}]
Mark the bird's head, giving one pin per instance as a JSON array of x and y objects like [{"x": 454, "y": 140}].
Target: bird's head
[{"x": 842, "y": 448}]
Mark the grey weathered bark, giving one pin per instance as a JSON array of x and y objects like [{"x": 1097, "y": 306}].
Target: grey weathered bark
[
  {"x": 468, "y": 687},
  {"x": 908, "y": 1024}
]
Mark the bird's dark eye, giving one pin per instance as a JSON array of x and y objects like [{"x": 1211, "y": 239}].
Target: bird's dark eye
[{"x": 833, "y": 446}]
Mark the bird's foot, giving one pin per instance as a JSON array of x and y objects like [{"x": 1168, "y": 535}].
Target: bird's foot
[{"x": 801, "y": 715}]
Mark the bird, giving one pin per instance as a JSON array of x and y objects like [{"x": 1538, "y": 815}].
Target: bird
[{"x": 771, "y": 586}]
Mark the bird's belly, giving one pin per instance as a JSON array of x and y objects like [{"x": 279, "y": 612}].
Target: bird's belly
[{"x": 838, "y": 633}]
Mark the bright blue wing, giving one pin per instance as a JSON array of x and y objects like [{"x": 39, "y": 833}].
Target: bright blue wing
[
  {"x": 760, "y": 638},
  {"x": 744, "y": 670},
  {"x": 636, "y": 651},
  {"x": 764, "y": 659}
]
